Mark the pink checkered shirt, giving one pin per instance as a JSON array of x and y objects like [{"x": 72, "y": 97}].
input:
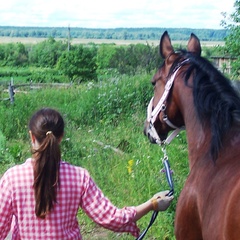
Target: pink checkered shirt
[{"x": 77, "y": 190}]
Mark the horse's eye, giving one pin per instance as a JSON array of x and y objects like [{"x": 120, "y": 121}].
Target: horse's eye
[{"x": 153, "y": 83}]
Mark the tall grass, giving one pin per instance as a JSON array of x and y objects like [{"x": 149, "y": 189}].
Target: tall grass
[
  {"x": 27, "y": 74},
  {"x": 111, "y": 112}
]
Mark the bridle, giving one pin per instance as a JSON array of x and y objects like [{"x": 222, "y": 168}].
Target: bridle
[{"x": 152, "y": 115}]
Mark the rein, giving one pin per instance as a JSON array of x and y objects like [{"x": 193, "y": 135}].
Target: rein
[
  {"x": 167, "y": 171},
  {"x": 151, "y": 118}
]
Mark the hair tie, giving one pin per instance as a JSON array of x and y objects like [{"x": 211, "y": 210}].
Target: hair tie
[{"x": 48, "y": 132}]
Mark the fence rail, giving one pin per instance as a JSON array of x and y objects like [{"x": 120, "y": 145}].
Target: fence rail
[{"x": 12, "y": 88}]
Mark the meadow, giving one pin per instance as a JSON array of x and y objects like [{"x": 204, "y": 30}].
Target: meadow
[
  {"x": 32, "y": 40},
  {"x": 101, "y": 117}
]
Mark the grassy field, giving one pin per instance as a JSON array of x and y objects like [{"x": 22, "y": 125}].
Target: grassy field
[
  {"x": 99, "y": 41},
  {"x": 112, "y": 113}
]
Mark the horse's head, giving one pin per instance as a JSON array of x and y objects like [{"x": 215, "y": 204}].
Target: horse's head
[{"x": 164, "y": 112}]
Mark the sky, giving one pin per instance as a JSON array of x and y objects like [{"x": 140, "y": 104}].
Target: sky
[{"x": 115, "y": 14}]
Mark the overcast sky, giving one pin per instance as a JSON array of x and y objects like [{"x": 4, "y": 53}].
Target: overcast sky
[{"x": 114, "y": 14}]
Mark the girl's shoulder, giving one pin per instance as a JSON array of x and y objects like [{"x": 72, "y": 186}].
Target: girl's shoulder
[
  {"x": 73, "y": 170},
  {"x": 19, "y": 171},
  {"x": 25, "y": 165}
]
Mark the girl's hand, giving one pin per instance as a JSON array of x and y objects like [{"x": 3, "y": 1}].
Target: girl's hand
[{"x": 160, "y": 201}]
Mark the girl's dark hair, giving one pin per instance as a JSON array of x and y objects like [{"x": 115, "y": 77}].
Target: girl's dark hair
[{"x": 47, "y": 126}]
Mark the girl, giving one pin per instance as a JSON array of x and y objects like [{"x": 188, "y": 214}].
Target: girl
[{"x": 44, "y": 193}]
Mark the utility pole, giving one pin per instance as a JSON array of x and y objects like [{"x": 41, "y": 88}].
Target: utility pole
[{"x": 69, "y": 37}]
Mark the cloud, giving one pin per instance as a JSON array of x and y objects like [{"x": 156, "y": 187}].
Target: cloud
[{"x": 112, "y": 14}]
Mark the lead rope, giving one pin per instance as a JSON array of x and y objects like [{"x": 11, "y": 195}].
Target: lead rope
[{"x": 167, "y": 171}]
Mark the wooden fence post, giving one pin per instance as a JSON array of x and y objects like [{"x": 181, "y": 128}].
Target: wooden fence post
[{"x": 11, "y": 91}]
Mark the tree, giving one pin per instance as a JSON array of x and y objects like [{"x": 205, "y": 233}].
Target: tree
[
  {"x": 46, "y": 53},
  {"x": 13, "y": 54},
  {"x": 79, "y": 63},
  {"x": 105, "y": 54},
  {"x": 232, "y": 41}
]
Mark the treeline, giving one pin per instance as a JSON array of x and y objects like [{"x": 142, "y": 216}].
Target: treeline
[
  {"x": 113, "y": 33},
  {"x": 54, "y": 61}
]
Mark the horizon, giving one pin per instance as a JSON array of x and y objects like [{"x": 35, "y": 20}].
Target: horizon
[{"x": 112, "y": 28}]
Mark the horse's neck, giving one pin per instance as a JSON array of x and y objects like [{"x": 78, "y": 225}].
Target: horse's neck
[
  {"x": 198, "y": 141},
  {"x": 198, "y": 137}
]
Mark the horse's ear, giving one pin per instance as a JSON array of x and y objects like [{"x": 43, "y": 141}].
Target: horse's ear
[
  {"x": 194, "y": 45},
  {"x": 165, "y": 47}
]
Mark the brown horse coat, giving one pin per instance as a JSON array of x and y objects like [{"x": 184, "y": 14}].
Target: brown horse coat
[{"x": 208, "y": 207}]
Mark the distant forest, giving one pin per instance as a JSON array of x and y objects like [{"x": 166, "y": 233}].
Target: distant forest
[{"x": 112, "y": 33}]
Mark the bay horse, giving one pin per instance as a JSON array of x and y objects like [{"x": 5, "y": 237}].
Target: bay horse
[{"x": 189, "y": 91}]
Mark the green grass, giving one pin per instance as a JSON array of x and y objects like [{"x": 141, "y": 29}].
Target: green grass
[
  {"x": 112, "y": 112},
  {"x": 28, "y": 74}
]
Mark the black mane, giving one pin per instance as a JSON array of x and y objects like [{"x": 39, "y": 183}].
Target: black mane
[{"x": 216, "y": 101}]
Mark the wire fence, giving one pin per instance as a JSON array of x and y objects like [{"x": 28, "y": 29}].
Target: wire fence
[{"x": 9, "y": 88}]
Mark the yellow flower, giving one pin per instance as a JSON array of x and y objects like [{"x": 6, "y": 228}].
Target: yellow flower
[{"x": 130, "y": 165}]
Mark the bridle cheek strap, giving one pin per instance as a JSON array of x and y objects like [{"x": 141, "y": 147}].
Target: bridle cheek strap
[
  {"x": 152, "y": 114},
  {"x": 160, "y": 107}
]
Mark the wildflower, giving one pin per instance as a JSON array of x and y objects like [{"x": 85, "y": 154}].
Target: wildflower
[{"x": 130, "y": 166}]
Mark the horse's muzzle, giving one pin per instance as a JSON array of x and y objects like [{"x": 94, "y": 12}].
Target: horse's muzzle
[{"x": 152, "y": 135}]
